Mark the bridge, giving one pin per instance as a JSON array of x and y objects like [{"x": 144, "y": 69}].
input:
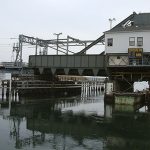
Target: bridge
[
  {"x": 91, "y": 65},
  {"x": 124, "y": 66},
  {"x": 126, "y": 58},
  {"x": 66, "y": 63}
]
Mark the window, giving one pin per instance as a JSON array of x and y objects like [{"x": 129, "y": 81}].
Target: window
[
  {"x": 132, "y": 41},
  {"x": 139, "y": 41},
  {"x": 110, "y": 42}
]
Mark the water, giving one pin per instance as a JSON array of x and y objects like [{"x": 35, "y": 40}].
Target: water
[{"x": 75, "y": 123}]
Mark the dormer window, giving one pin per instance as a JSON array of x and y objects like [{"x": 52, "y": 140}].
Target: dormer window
[
  {"x": 110, "y": 42},
  {"x": 131, "y": 41},
  {"x": 139, "y": 41}
]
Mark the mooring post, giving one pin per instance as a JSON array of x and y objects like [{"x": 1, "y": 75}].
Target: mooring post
[
  {"x": 10, "y": 91},
  {"x": 2, "y": 90},
  {"x": 10, "y": 86},
  {"x": 7, "y": 91},
  {"x": 13, "y": 93},
  {"x": 10, "y": 98}
]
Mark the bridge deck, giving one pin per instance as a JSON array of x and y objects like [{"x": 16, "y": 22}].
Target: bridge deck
[{"x": 95, "y": 63}]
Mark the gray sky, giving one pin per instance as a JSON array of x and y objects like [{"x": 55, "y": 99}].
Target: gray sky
[{"x": 82, "y": 19}]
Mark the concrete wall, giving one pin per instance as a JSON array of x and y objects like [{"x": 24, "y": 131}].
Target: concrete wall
[{"x": 121, "y": 41}]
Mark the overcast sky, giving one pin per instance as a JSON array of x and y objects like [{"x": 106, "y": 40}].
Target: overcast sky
[{"x": 82, "y": 19}]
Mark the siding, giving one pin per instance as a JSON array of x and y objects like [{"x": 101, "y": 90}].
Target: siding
[{"x": 121, "y": 41}]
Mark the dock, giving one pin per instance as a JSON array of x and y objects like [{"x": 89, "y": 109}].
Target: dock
[{"x": 46, "y": 88}]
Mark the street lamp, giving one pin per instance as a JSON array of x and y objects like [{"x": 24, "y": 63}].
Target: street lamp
[
  {"x": 110, "y": 21},
  {"x": 57, "y": 34}
]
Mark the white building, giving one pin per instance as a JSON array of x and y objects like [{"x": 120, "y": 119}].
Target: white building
[{"x": 128, "y": 43}]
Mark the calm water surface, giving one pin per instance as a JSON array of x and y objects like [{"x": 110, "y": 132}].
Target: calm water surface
[{"x": 76, "y": 123}]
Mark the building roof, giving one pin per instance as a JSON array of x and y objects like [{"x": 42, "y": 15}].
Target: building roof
[{"x": 134, "y": 22}]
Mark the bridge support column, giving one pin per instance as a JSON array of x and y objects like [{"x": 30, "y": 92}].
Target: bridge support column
[
  {"x": 41, "y": 70},
  {"x": 80, "y": 71},
  {"x": 53, "y": 70},
  {"x": 95, "y": 72},
  {"x": 66, "y": 71}
]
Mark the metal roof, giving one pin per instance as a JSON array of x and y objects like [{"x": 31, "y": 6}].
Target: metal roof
[{"x": 134, "y": 22}]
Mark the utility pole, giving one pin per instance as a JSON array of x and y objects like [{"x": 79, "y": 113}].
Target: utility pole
[
  {"x": 57, "y": 34},
  {"x": 36, "y": 46},
  {"x": 67, "y": 45},
  {"x": 20, "y": 49},
  {"x": 110, "y": 21}
]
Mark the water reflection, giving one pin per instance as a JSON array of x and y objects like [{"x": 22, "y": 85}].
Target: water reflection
[
  {"x": 56, "y": 123},
  {"x": 77, "y": 123}
]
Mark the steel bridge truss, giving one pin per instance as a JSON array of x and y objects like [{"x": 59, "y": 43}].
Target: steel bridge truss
[{"x": 60, "y": 45}]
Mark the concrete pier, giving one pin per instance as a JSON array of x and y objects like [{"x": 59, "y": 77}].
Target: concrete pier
[
  {"x": 129, "y": 98},
  {"x": 120, "y": 92}
]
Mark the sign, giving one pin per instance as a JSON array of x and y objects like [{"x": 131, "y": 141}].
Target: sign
[
  {"x": 135, "y": 52},
  {"x": 135, "y": 49},
  {"x": 5, "y": 76}
]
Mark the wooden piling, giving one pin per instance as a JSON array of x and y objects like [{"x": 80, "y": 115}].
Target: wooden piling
[
  {"x": 7, "y": 91},
  {"x": 2, "y": 90}
]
